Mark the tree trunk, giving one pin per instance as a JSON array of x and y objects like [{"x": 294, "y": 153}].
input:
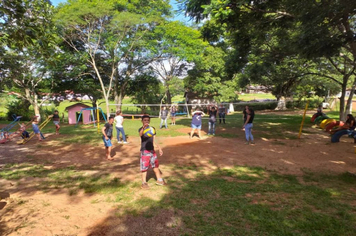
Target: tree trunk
[
  {"x": 342, "y": 112},
  {"x": 281, "y": 104}
]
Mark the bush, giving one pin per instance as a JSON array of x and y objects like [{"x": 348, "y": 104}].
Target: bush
[
  {"x": 313, "y": 104},
  {"x": 256, "y": 106},
  {"x": 18, "y": 108}
]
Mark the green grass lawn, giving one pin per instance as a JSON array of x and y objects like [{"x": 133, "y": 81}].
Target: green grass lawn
[{"x": 241, "y": 200}]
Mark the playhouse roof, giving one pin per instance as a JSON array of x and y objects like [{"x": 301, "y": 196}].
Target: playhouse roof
[{"x": 77, "y": 104}]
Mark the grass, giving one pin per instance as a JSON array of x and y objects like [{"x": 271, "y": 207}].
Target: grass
[{"x": 238, "y": 201}]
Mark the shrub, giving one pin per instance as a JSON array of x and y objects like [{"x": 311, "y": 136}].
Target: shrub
[{"x": 257, "y": 106}]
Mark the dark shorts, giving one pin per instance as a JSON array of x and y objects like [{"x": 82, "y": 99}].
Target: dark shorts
[
  {"x": 148, "y": 159},
  {"x": 173, "y": 114},
  {"x": 107, "y": 143}
]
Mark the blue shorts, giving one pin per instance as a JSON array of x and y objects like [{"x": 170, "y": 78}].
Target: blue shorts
[
  {"x": 173, "y": 114},
  {"x": 35, "y": 129},
  {"x": 196, "y": 126},
  {"x": 56, "y": 122},
  {"x": 107, "y": 143}
]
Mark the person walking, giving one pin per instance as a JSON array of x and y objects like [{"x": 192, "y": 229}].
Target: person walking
[
  {"x": 248, "y": 126},
  {"x": 119, "y": 121}
]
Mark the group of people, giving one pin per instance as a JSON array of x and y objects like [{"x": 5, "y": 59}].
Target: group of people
[
  {"x": 248, "y": 117},
  {"x": 164, "y": 115},
  {"x": 148, "y": 155}
]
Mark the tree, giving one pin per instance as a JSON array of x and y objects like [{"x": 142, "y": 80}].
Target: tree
[
  {"x": 27, "y": 41},
  {"x": 110, "y": 34},
  {"x": 177, "y": 48},
  {"x": 308, "y": 29},
  {"x": 208, "y": 77}
]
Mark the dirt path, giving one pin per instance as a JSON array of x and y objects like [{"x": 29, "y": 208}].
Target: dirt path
[{"x": 29, "y": 211}]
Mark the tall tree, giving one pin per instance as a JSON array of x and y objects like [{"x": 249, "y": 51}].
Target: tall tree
[
  {"x": 107, "y": 31},
  {"x": 28, "y": 42},
  {"x": 178, "y": 46},
  {"x": 309, "y": 29}
]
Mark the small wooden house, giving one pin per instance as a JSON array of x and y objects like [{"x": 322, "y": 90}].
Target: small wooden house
[{"x": 73, "y": 112}]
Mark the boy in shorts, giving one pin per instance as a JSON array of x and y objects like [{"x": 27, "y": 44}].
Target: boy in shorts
[
  {"x": 107, "y": 131},
  {"x": 148, "y": 154}
]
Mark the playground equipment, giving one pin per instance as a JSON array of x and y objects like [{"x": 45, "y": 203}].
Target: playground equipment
[
  {"x": 325, "y": 122},
  {"x": 32, "y": 134},
  {"x": 319, "y": 119},
  {"x": 12, "y": 124},
  {"x": 335, "y": 138},
  {"x": 91, "y": 109},
  {"x": 333, "y": 124},
  {"x": 5, "y": 132}
]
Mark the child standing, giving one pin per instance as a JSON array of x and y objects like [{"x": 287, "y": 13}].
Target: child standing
[
  {"x": 212, "y": 120},
  {"x": 119, "y": 120},
  {"x": 56, "y": 120},
  {"x": 164, "y": 116},
  {"x": 196, "y": 122},
  {"x": 148, "y": 154},
  {"x": 107, "y": 131},
  {"x": 248, "y": 125},
  {"x": 173, "y": 114}
]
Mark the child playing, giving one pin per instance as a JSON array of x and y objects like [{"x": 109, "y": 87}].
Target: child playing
[
  {"x": 173, "y": 114},
  {"x": 24, "y": 133},
  {"x": 196, "y": 122},
  {"x": 164, "y": 116},
  {"x": 35, "y": 128},
  {"x": 107, "y": 131},
  {"x": 148, "y": 154},
  {"x": 212, "y": 120},
  {"x": 56, "y": 120}
]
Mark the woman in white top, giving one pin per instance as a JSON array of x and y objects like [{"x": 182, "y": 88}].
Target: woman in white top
[{"x": 119, "y": 120}]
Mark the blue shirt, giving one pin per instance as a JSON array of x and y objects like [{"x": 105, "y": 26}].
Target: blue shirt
[{"x": 196, "y": 120}]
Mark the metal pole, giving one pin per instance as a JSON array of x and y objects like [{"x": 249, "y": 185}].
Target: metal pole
[{"x": 301, "y": 125}]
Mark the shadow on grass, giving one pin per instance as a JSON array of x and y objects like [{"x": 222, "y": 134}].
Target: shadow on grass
[{"x": 240, "y": 201}]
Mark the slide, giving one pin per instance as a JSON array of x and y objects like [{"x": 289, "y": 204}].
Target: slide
[
  {"x": 325, "y": 122},
  {"x": 335, "y": 138},
  {"x": 332, "y": 125},
  {"x": 32, "y": 134}
]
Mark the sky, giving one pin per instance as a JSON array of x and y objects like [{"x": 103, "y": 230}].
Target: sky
[{"x": 179, "y": 17}]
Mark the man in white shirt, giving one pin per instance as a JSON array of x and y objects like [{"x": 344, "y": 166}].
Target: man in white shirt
[{"x": 119, "y": 120}]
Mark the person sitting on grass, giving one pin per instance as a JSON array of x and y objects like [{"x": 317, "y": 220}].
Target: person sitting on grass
[
  {"x": 349, "y": 124},
  {"x": 107, "y": 131},
  {"x": 148, "y": 154}
]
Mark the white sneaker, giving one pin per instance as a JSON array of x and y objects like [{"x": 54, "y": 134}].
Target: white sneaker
[
  {"x": 125, "y": 142},
  {"x": 119, "y": 142}
]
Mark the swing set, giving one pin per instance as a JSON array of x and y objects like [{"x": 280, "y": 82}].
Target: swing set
[{"x": 92, "y": 116}]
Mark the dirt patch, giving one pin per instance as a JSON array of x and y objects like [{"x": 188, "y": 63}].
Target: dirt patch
[{"x": 29, "y": 211}]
